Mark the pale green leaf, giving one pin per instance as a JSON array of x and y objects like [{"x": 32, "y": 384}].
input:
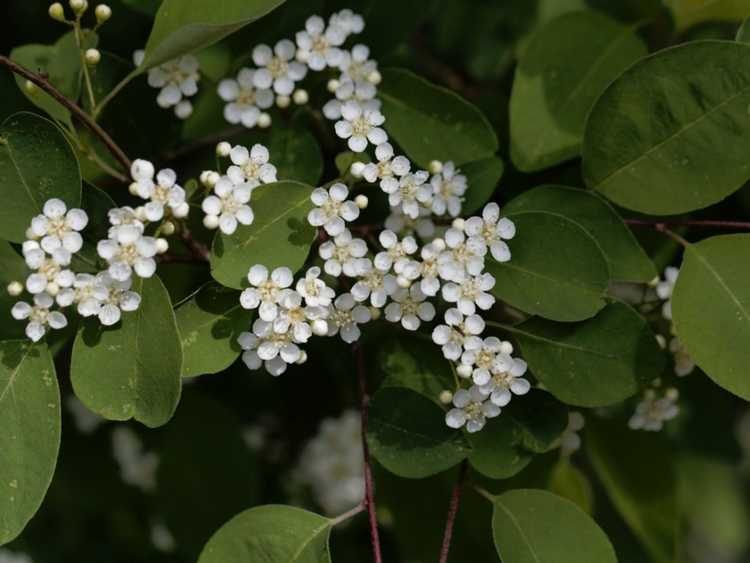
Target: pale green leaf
[
  {"x": 482, "y": 177},
  {"x": 569, "y": 482}
]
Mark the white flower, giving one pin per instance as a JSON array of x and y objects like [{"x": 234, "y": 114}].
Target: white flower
[
  {"x": 318, "y": 45},
  {"x": 49, "y": 276},
  {"x": 356, "y": 65},
  {"x": 428, "y": 269},
  {"x": 165, "y": 192},
  {"x": 265, "y": 295},
  {"x": 119, "y": 298},
  {"x": 360, "y": 125},
  {"x": 388, "y": 168},
  {"x": 7, "y": 556},
  {"x": 125, "y": 218},
  {"x": 331, "y": 463},
  {"x": 653, "y": 411},
  {"x": 244, "y": 100},
  {"x": 456, "y": 331},
  {"x": 251, "y": 167},
  {"x": 448, "y": 189},
  {"x": 130, "y": 251},
  {"x": 470, "y": 293},
  {"x": 505, "y": 378},
  {"x": 348, "y": 21},
  {"x": 343, "y": 254},
  {"x": 39, "y": 315},
  {"x": 462, "y": 257},
  {"x": 410, "y": 193},
  {"x": 332, "y": 211},
  {"x": 481, "y": 356},
  {"x": 665, "y": 288},
  {"x": 374, "y": 283},
  {"x": 86, "y": 421},
  {"x": 298, "y": 318},
  {"x": 137, "y": 467},
  {"x": 409, "y": 307},
  {"x": 272, "y": 350},
  {"x": 491, "y": 232},
  {"x": 87, "y": 291},
  {"x": 683, "y": 363},
  {"x": 227, "y": 207},
  {"x": 570, "y": 441},
  {"x": 314, "y": 290},
  {"x": 396, "y": 254},
  {"x": 58, "y": 227},
  {"x": 471, "y": 409},
  {"x": 175, "y": 78},
  {"x": 401, "y": 224},
  {"x": 344, "y": 316},
  {"x": 277, "y": 68}
]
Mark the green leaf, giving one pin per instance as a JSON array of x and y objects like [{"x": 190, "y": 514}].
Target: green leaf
[
  {"x": 593, "y": 363},
  {"x": 30, "y": 437},
  {"x": 209, "y": 324},
  {"x": 540, "y": 418},
  {"x": 743, "y": 33},
  {"x": 687, "y": 13},
  {"x": 711, "y": 309},
  {"x": 12, "y": 268},
  {"x": 556, "y": 269},
  {"x": 496, "y": 450},
  {"x": 36, "y": 163},
  {"x": 626, "y": 259},
  {"x": 183, "y": 27},
  {"x": 564, "y": 69},
  {"x": 131, "y": 370},
  {"x": 273, "y": 534},
  {"x": 482, "y": 176},
  {"x": 221, "y": 485},
  {"x": 569, "y": 482},
  {"x": 409, "y": 437},
  {"x": 638, "y": 473},
  {"x": 433, "y": 123},
  {"x": 279, "y": 236},
  {"x": 533, "y": 526},
  {"x": 670, "y": 134},
  {"x": 62, "y": 64}
]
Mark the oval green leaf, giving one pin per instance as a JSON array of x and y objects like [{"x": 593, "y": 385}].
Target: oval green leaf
[
  {"x": 496, "y": 450},
  {"x": 131, "y": 370},
  {"x": 408, "y": 435},
  {"x": 433, "y": 123},
  {"x": 594, "y": 363},
  {"x": 711, "y": 309},
  {"x": 30, "y": 437},
  {"x": 183, "y": 27},
  {"x": 209, "y": 323},
  {"x": 36, "y": 163},
  {"x": 411, "y": 362},
  {"x": 571, "y": 483},
  {"x": 564, "y": 69},
  {"x": 12, "y": 268},
  {"x": 556, "y": 270},
  {"x": 482, "y": 177},
  {"x": 534, "y": 526},
  {"x": 279, "y": 236},
  {"x": 678, "y": 143},
  {"x": 272, "y": 534},
  {"x": 626, "y": 258}
]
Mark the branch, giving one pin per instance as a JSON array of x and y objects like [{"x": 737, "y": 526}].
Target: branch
[
  {"x": 660, "y": 224},
  {"x": 369, "y": 488},
  {"x": 198, "y": 249},
  {"x": 348, "y": 514},
  {"x": 45, "y": 85},
  {"x": 452, "y": 512}
]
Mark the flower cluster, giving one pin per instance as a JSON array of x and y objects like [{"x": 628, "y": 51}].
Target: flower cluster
[
  {"x": 683, "y": 363},
  {"x": 137, "y": 467},
  {"x": 655, "y": 409},
  {"x": 177, "y": 81},
  {"x": 331, "y": 464},
  {"x": 54, "y": 237}
]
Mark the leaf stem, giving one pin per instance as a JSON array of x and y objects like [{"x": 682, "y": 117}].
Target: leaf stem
[
  {"x": 116, "y": 90},
  {"x": 452, "y": 512},
  {"x": 348, "y": 514},
  {"x": 485, "y": 493},
  {"x": 369, "y": 485},
  {"x": 84, "y": 66},
  {"x": 85, "y": 118},
  {"x": 707, "y": 223}
]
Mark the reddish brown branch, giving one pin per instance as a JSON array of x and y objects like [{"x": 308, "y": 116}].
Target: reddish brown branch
[
  {"x": 71, "y": 106},
  {"x": 452, "y": 513},
  {"x": 709, "y": 223},
  {"x": 196, "y": 247}
]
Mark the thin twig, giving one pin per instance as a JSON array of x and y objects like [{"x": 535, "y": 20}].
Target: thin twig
[
  {"x": 369, "y": 487},
  {"x": 452, "y": 512},
  {"x": 199, "y": 250},
  {"x": 708, "y": 223},
  {"x": 348, "y": 514},
  {"x": 71, "y": 106}
]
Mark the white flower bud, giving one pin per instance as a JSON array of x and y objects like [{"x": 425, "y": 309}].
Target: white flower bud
[
  {"x": 464, "y": 370},
  {"x": 92, "y": 56},
  {"x": 403, "y": 282},
  {"x": 435, "y": 167},
  {"x": 302, "y": 56},
  {"x": 375, "y": 77},
  {"x": 133, "y": 188},
  {"x": 302, "y": 357},
  {"x": 333, "y": 85},
  {"x": 30, "y": 87},
  {"x": 361, "y": 201},
  {"x": 446, "y": 397},
  {"x": 53, "y": 289},
  {"x": 140, "y": 214},
  {"x": 300, "y": 97},
  {"x": 31, "y": 235},
  {"x": 162, "y": 245},
  {"x": 223, "y": 149},
  {"x": 375, "y": 313},
  {"x": 79, "y": 6},
  {"x": 283, "y": 101},
  {"x": 320, "y": 327},
  {"x": 211, "y": 221},
  {"x": 357, "y": 169},
  {"x": 264, "y": 120},
  {"x": 458, "y": 223},
  {"x": 15, "y": 288},
  {"x": 57, "y": 12},
  {"x": 672, "y": 394},
  {"x": 168, "y": 228},
  {"x": 439, "y": 244},
  {"x": 209, "y": 178},
  {"x": 103, "y": 13}
]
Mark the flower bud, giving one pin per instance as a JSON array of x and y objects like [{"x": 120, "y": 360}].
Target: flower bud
[
  {"x": 140, "y": 214},
  {"x": 375, "y": 313},
  {"x": 333, "y": 85},
  {"x": 403, "y": 282},
  {"x": 181, "y": 210},
  {"x": 375, "y": 77},
  {"x": 300, "y": 97},
  {"x": 57, "y": 12},
  {"x": 302, "y": 357},
  {"x": 439, "y": 244},
  {"x": 93, "y": 56},
  {"x": 320, "y": 327},
  {"x": 103, "y": 13},
  {"x": 168, "y": 228},
  {"x": 357, "y": 169},
  {"x": 283, "y": 101},
  {"x": 361, "y": 201},
  {"x": 435, "y": 167},
  {"x": 15, "y": 288},
  {"x": 446, "y": 397},
  {"x": 464, "y": 371},
  {"x": 79, "y": 6},
  {"x": 264, "y": 120},
  {"x": 53, "y": 289},
  {"x": 302, "y": 56},
  {"x": 223, "y": 149},
  {"x": 672, "y": 394},
  {"x": 162, "y": 245},
  {"x": 209, "y": 178},
  {"x": 133, "y": 188},
  {"x": 30, "y": 87},
  {"x": 458, "y": 223},
  {"x": 210, "y": 221}
]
